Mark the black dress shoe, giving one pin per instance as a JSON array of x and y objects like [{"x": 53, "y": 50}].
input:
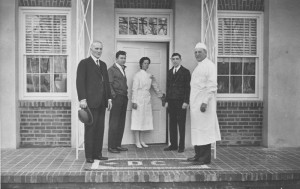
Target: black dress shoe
[
  {"x": 170, "y": 148},
  {"x": 121, "y": 149},
  {"x": 180, "y": 150},
  {"x": 89, "y": 160},
  {"x": 113, "y": 150},
  {"x": 192, "y": 159},
  {"x": 101, "y": 158}
]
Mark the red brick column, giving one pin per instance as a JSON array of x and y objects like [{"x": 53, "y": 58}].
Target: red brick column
[
  {"x": 45, "y": 123},
  {"x": 240, "y": 122}
]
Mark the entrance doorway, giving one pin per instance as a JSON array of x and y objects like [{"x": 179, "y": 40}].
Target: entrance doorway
[{"x": 157, "y": 52}]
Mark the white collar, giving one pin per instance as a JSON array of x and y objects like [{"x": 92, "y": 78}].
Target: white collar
[
  {"x": 178, "y": 67},
  {"x": 95, "y": 59},
  {"x": 120, "y": 68}
]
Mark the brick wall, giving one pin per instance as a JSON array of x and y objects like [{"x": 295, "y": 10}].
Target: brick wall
[
  {"x": 240, "y": 122},
  {"x": 241, "y": 5},
  {"x": 45, "y": 123},
  {"x": 144, "y": 4}
]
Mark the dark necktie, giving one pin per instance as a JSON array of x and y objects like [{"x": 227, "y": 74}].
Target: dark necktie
[
  {"x": 98, "y": 63},
  {"x": 123, "y": 68}
]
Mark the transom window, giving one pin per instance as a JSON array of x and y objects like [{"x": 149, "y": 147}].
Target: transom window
[
  {"x": 239, "y": 58},
  {"x": 143, "y": 24},
  {"x": 45, "y": 54}
]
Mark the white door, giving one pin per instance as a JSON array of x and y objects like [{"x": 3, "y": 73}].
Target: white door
[{"x": 157, "y": 52}]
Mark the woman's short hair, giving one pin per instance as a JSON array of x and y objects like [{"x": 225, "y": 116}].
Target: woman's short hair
[{"x": 143, "y": 59}]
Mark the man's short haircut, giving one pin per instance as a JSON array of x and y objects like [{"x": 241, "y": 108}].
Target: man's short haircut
[
  {"x": 96, "y": 42},
  {"x": 143, "y": 59},
  {"x": 176, "y": 54},
  {"x": 120, "y": 53}
]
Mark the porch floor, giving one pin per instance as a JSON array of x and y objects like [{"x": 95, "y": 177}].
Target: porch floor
[{"x": 244, "y": 166}]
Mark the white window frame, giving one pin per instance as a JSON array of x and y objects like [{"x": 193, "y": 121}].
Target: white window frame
[
  {"x": 23, "y": 94},
  {"x": 259, "y": 65}
]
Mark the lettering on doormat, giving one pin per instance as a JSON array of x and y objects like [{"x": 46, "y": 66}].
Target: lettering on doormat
[{"x": 147, "y": 164}]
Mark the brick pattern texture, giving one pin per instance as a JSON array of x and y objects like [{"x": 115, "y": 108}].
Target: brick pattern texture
[
  {"x": 241, "y": 5},
  {"x": 45, "y": 124},
  {"x": 144, "y": 4},
  {"x": 240, "y": 123},
  {"x": 45, "y": 3}
]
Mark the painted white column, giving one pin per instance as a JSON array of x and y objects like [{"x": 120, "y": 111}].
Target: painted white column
[
  {"x": 281, "y": 74},
  {"x": 9, "y": 119}
]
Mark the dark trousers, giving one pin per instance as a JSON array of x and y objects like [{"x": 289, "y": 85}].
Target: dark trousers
[
  {"x": 177, "y": 120},
  {"x": 93, "y": 134},
  {"x": 203, "y": 153},
  {"x": 117, "y": 119}
]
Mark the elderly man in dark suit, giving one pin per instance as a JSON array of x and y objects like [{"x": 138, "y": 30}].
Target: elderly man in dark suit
[
  {"x": 94, "y": 91},
  {"x": 117, "y": 117},
  {"x": 177, "y": 98}
]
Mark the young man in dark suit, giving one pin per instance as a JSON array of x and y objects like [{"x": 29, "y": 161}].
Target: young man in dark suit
[
  {"x": 117, "y": 117},
  {"x": 177, "y": 98},
  {"x": 94, "y": 91}
]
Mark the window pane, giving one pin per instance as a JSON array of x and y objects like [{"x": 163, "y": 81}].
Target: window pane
[
  {"x": 60, "y": 83},
  {"x": 123, "y": 25},
  {"x": 237, "y": 36},
  {"x": 45, "y": 65},
  {"x": 249, "y": 66},
  {"x": 46, "y": 33},
  {"x": 236, "y": 68},
  {"x": 32, "y": 64},
  {"x": 223, "y": 66},
  {"x": 162, "y": 26},
  {"x": 33, "y": 83},
  {"x": 223, "y": 84},
  {"x": 236, "y": 84},
  {"x": 153, "y": 25},
  {"x": 60, "y": 64},
  {"x": 45, "y": 82},
  {"x": 133, "y": 26},
  {"x": 249, "y": 84},
  {"x": 143, "y": 28}
]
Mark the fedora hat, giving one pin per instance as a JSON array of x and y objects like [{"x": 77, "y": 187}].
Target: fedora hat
[{"x": 85, "y": 116}]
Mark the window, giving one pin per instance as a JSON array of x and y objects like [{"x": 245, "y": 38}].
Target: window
[
  {"x": 45, "y": 53},
  {"x": 239, "y": 55},
  {"x": 143, "y": 24}
]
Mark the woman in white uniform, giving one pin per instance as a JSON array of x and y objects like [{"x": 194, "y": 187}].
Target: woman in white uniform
[
  {"x": 204, "y": 122},
  {"x": 141, "y": 117}
]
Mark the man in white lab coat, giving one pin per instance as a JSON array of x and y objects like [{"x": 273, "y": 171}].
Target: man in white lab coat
[{"x": 204, "y": 122}]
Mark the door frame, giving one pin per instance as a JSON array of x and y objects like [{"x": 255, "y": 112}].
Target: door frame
[{"x": 152, "y": 39}]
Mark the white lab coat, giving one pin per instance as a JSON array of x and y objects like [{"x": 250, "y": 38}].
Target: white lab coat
[
  {"x": 204, "y": 126},
  {"x": 141, "y": 118}
]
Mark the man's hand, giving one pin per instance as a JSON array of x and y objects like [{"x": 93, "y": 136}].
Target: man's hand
[
  {"x": 203, "y": 107},
  {"x": 134, "y": 106},
  {"x": 82, "y": 103},
  {"x": 166, "y": 105},
  {"x": 185, "y": 105},
  {"x": 109, "y": 105}
]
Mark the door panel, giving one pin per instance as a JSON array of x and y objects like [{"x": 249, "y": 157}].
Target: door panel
[{"x": 157, "y": 52}]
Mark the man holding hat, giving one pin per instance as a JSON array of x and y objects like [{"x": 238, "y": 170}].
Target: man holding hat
[
  {"x": 204, "y": 122},
  {"x": 94, "y": 95}
]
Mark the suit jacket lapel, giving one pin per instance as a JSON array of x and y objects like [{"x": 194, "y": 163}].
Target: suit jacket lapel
[
  {"x": 116, "y": 67},
  {"x": 95, "y": 67},
  {"x": 177, "y": 74}
]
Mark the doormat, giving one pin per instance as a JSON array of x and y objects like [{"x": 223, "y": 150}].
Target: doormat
[{"x": 147, "y": 164}]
